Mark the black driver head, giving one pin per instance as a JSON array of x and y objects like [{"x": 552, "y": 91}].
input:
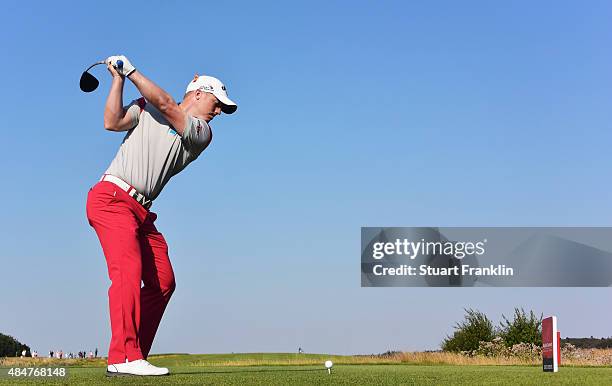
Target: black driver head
[{"x": 88, "y": 82}]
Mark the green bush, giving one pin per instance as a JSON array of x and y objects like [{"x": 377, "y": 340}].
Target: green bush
[
  {"x": 470, "y": 332},
  {"x": 523, "y": 328},
  {"x": 10, "y": 347}
]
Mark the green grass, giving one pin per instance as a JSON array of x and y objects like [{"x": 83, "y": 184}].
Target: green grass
[{"x": 246, "y": 369}]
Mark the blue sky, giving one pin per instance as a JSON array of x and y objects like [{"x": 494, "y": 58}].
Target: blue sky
[{"x": 350, "y": 114}]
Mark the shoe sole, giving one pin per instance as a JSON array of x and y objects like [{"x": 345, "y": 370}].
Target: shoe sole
[{"x": 117, "y": 374}]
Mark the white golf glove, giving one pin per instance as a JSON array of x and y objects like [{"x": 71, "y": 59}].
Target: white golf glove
[{"x": 125, "y": 69}]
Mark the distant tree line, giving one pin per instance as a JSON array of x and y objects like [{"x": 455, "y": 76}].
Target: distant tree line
[
  {"x": 10, "y": 347},
  {"x": 589, "y": 342}
]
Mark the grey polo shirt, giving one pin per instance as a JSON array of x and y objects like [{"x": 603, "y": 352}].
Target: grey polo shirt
[{"x": 152, "y": 151}]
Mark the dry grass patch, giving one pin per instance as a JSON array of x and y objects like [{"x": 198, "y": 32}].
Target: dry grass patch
[
  {"x": 578, "y": 357},
  {"x": 50, "y": 362}
]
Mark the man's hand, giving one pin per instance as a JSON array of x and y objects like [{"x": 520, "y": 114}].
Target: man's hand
[
  {"x": 125, "y": 69},
  {"x": 113, "y": 71}
]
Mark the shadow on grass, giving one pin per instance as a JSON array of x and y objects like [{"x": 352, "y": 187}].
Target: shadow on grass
[{"x": 241, "y": 371}]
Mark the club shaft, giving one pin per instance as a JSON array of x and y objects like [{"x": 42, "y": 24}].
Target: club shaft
[{"x": 95, "y": 64}]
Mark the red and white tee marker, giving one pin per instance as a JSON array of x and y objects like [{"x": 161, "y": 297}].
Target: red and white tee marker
[{"x": 551, "y": 345}]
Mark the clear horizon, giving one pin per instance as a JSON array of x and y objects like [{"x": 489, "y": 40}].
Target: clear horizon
[{"x": 349, "y": 115}]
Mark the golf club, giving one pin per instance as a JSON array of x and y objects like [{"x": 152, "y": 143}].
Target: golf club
[{"x": 88, "y": 82}]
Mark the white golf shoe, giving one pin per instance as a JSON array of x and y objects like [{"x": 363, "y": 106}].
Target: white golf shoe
[{"x": 137, "y": 367}]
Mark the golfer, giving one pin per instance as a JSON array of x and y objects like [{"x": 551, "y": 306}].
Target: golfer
[{"x": 162, "y": 138}]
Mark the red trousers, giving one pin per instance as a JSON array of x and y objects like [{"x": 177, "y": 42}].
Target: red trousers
[{"x": 134, "y": 251}]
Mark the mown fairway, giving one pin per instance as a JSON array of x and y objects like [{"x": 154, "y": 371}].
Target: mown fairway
[{"x": 227, "y": 370}]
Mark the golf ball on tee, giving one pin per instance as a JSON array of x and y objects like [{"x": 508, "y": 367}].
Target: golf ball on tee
[{"x": 328, "y": 364}]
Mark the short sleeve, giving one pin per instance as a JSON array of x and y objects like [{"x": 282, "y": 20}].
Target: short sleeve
[
  {"x": 197, "y": 135},
  {"x": 134, "y": 109}
]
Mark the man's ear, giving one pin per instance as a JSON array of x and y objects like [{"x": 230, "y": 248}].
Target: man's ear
[{"x": 197, "y": 94}]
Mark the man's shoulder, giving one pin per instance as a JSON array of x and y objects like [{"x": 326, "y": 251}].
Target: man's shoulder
[
  {"x": 154, "y": 116},
  {"x": 198, "y": 123}
]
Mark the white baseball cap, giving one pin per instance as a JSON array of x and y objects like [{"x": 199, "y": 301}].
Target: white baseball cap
[{"x": 214, "y": 86}]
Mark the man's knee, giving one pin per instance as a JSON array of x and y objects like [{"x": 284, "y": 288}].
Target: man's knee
[
  {"x": 164, "y": 286},
  {"x": 168, "y": 286}
]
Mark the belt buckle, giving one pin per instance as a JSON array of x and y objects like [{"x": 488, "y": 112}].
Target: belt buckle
[
  {"x": 132, "y": 192},
  {"x": 142, "y": 200}
]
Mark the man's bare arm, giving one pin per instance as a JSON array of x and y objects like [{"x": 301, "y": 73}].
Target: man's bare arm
[
  {"x": 115, "y": 117},
  {"x": 161, "y": 100}
]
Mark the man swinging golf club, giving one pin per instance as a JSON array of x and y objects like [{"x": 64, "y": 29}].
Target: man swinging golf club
[{"x": 162, "y": 138}]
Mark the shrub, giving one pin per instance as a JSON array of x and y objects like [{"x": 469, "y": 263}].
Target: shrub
[
  {"x": 522, "y": 329},
  {"x": 470, "y": 332},
  {"x": 494, "y": 348},
  {"x": 10, "y": 347}
]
